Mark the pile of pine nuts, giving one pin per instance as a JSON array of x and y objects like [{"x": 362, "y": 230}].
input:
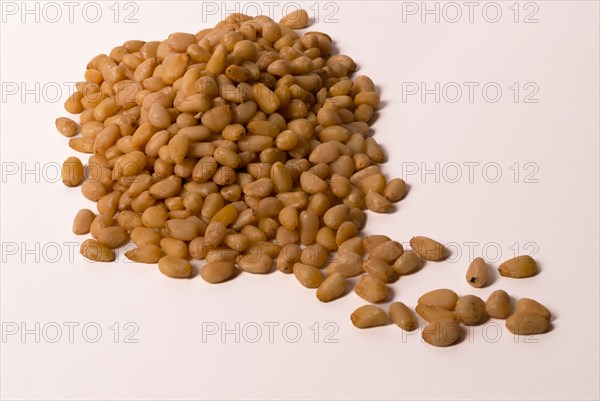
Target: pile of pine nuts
[{"x": 244, "y": 145}]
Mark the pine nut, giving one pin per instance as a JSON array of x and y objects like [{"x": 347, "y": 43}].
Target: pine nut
[
  {"x": 498, "y": 304},
  {"x": 368, "y": 316},
  {"x": 308, "y": 276},
  {"x": 442, "y": 298},
  {"x": 174, "y": 267},
  {"x": 427, "y": 248},
  {"x": 402, "y": 316},
  {"x": 519, "y": 267},
  {"x": 470, "y": 309},
  {"x": 477, "y": 273},
  {"x": 442, "y": 333},
  {"x": 371, "y": 289}
]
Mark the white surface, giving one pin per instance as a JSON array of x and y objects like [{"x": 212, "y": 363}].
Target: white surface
[{"x": 559, "y": 214}]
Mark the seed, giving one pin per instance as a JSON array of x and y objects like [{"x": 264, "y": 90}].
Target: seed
[
  {"x": 519, "y": 267},
  {"x": 442, "y": 298},
  {"x": 377, "y": 203},
  {"x": 174, "y": 247},
  {"x": 184, "y": 230},
  {"x": 527, "y": 324},
  {"x": 527, "y": 306},
  {"x": 144, "y": 235},
  {"x": 388, "y": 251},
  {"x": 95, "y": 251},
  {"x": 174, "y": 267},
  {"x": 346, "y": 231},
  {"x": 372, "y": 241},
  {"x": 308, "y": 276},
  {"x": 470, "y": 309},
  {"x": 154, "y": 217},
  {"x": 217, "y": 272},
  {"x": 381, "y": 270},
  {"x": 427, "y": 248},
  {"x": 83, "y": 221},
  {"x": 395, "y": 190},
  {"x": 112, "y": 237},
  {"x": 402, "y": 316},
  {"x": 442, "y": 333},
  {"x": 297, "y": 19},
  {"x": 349, "y": 264},
  {"x": 407, "y": 263},
  {"x": 371, "y": 289},
  {"x": 498, "y": 304},
  {"x": 149, "y": 253},
  {"x": 66, "y": 126},
  {"x": 335, "y": 216},
  {"x": 257, "y": 263},
  {"x": 352, "y": 245},
  {"x": 477, "y": 273},
  {"x": 368, "y": 316},
  {"x": 332, "y": 288},
  {"x": 72, "y": 172},
  {"x": 308, "y": 226},
  {"x": 311, "y": 183},
  {"x": 434, "y": 313},
  {"x": 314, "y": 255}
]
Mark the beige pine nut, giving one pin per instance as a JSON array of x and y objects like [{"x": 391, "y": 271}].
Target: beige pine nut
[
  {"x": 256, "y": 262},
  {"x": 82, "y": 222},
  {"x": 498, "y": 304},
  {"x": 427, "y": 248},
  {"x": 371, "y": 289},
  {"x": 395, "y": 190},
  {"x": 95, "y": 251},
  {"x": 335, "y": 216},
  {"x": 308, "y": 276},
  {"x": 377, "y": 202},
  {"x": 368, "y": 316},
  {"x": 352, "y": 245},
  {"x": 470, "y": 310},
  {"x": 527, "y": 324},
  {"x": 346, "y": 231},
  {"x": 434, "y": 313},
  {"x": 218, "y": 272},
  {"x": 174, "y": 267},
  {"x": 72, "y": 172},
  {"x": 332, "y": 287},
  {"x": 519, "y": 267},
  {"x": 66, "y": 126},
  {"x": 308, "y": 226},
  {"x": 349, "y": 264},
  {"x": 381, "y": 270},
  {"x": 297, "y": 19},
  {"x": 402, "y": 316},
  {"x": 407, "y": 263},
  {"x": 148, "y": 253},
  {"x": 477, "y": 273},
  {"x": 388, "y": 251},
  {"x": 441, "y": 298},
  {"x": 527, "y": 306},
  {"x": 112, "y": 237},
  {"x": 442, "y": 333},
  {"x": 314, "y": 255}
]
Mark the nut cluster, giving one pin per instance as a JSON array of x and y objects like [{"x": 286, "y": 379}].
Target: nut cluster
[{"x": 244, "y": 145}]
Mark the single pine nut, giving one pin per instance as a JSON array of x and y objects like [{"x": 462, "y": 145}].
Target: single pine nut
[
  {"x": 498, "y": 304},
  {"x": 470, "y": 309},
  {"x": 72, "y": 172},
  {"x": 349, "y": 264},
  {"x": 332, "y": 288},
  {"x": 407, "y": 263},
  {"x": 217, "y": 272},
  {"x": 381, "y": 270},
  {"x": 434, "y": 313},
  {"x": 257, "y": 263},
  {"x": 519, "y": 267},
  {"x": 66, "y": 126},
  {"x": 477, "y": 273},
  {"x": 388, "y": 251},
  {"x": 377, "y": 202},
  {"x": 148, "y": 253},
  {"x": 526, "y": 306},
  {"x": 441, "y": 298},
  {"x": 95, "y": 251},
  {"x": 427, "y": 248},
  {"x": 174, "y": 267},
  {"x": 402, "y": 316},
  {"x": 527, "y": 324},
  {"x": 442, "y": 333},
  {"x": 368, "y": 316},
  {"x": 83, "y": 221},
  {"x": 308, "y": 276},
  {"x": 371, "y": 289}
]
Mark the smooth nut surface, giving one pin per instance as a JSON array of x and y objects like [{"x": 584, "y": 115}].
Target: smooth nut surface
[
  {"x": 527, "y": 306},
  {"x": 523, "y": 324},
  {"x": 174, "y": 267},
  {"x": 332, "y": 288},
  {"x": 368, "y": 316},
  {"x": 519, "y": 267},
  {"x": 402, "y": 316},
  {"x": 371, "y": 289},
  {"x": 427, "y": 248},
  {"x": 442, "y": 333},
  {"x": 477, "y": 273},
  {"x": 217, "y": 272},
  {"x": 498, "y": 304},
  {"x": 407, "y": 263},
  {"x": 441, "y": 298},
  {"x": 470, "y": 309}
]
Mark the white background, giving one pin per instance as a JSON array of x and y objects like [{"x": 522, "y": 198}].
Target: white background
[{"x": 557, "y": 216}]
